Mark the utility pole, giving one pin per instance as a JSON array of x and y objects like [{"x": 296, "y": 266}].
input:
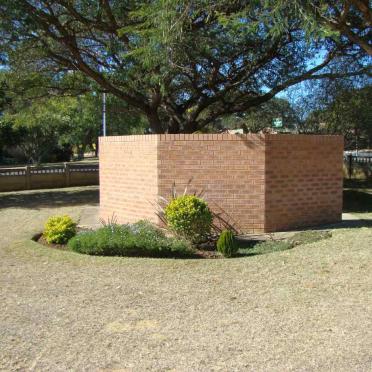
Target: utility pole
[{"x": 104, "y": 114}]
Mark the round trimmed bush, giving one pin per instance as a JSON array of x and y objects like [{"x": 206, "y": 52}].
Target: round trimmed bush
[
  {"x": 59, "y": 229},
  {"x": 226, "y": 244},
  {"x": 189, "y": 217}
]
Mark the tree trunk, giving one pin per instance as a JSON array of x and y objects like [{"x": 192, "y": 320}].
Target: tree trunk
[
  {"x": 81, "y": 151},
  {"x": 155, "y": 123},
  {"x": 174, "y": 127},
  {"x": 191, "y": 127}
]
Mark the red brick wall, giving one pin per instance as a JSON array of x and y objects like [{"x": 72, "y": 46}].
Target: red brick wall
[
  {"x": 128, "y": 177},
  {"x": 303, "y": 180},
  {"x": 259, "y": 183},
  {"x": 229, "y": 169}
]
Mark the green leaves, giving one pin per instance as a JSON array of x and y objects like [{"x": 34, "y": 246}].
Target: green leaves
[
  {"x": 165, "y": 57},
  {"x": 59, "y": 229},
  {"x": 226, "y": 244},
  {"x": 139, "y": 239},
  {"x": 189, "y": 217}
]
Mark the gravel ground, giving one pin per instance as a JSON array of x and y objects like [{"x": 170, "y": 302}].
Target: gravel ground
[{"x": 306, "y": 309}]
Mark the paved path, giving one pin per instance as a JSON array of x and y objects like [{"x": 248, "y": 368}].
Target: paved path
[{"x": 89, "y": 218}]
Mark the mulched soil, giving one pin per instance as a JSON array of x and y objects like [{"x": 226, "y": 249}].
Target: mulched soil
[
  {"x": 208, "y": 254},
  {"x": 41, "y": 240}
]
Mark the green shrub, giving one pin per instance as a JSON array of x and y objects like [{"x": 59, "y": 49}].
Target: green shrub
[
  {"x": 226, "y": 244},
  {"x": 139, "y": 239},
  {"x": 189, "y": 217},
  {"x": 59, "y": 229}
]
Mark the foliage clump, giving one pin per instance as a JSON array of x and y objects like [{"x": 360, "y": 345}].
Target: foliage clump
[
  {"x": 138, "y": 239},
  {"x": 190, "y": 217},
  {"x": 226, "y": 244},
  {"x": 59, "y": 229}
]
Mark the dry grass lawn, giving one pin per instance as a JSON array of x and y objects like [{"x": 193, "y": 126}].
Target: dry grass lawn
[{"x": 305, "y": 309}]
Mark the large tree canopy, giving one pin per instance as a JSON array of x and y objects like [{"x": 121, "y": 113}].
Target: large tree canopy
[
  {"x": 181, "y": 63},
  {"x": 351, "y": 19}
]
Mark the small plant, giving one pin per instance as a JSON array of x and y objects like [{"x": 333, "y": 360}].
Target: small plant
[
  {"x": 138, "y": 239},
  {"x": 110, "y": 220},
  {"x": 189, "y": 217},
  {"x": 59, "y": 229},
  {"x": 226, "y": 244}
]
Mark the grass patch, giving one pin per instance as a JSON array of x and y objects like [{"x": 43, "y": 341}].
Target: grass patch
[
  {"x": 307, "y": 237},
  {"x": 269, "y": 246},
  {"x": 253, "y": 248}
]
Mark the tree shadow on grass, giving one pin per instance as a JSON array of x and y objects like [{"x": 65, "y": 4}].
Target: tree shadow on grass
[
  {"x": 358, "y": 183},
  {"x": 356, "y": 201},
  {"x": 249, "y": 248},
  {"x": 39, "y": 199}
]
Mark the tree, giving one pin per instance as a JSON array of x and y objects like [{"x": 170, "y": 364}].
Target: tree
[
  {"x": 47, "y": 127},
  {"x": 36, "y": 127},
  {"x": 4, "y": 99},
  {"x": 340, "y": 108},
  {"x": 350, "y": 114},
  {"x": 8, "y": 136},
  {"x": 351, "y": 19},
  {"x": 85, "y": 113},
  {"x": 261, "y": 117},
  {"x": 182, "y": 64}
]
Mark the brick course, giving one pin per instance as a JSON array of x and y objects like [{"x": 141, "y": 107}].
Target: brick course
[
  {"x": 128, "y": 177},
  {"x": 258, "y": 182},
  {"x": 303, "y": 180}
]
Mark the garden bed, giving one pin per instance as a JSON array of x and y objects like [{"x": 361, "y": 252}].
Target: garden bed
[
  {"x": 247, "y": 247},
  {"x": 198, "y": 253},
  {"x": 40, "y": 238}
]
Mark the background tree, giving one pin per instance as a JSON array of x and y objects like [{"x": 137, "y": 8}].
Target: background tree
[
  {"x": 182, "y": 64},
  {"x": 350, "y": 114},
  {"x": 42, "y": 127},
  {"x": 261, "y": 117},
  {"x": 336, "y": 107},
  {"x": 4, "y": 98}
]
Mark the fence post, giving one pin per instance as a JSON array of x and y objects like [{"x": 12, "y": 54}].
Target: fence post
[
  {"x": 350, "y": 165},
  {"x": 28, "y": 177},
  {"x": 67, "y": 174}
]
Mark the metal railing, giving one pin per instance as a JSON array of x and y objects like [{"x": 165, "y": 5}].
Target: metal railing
[{"x": 353, "y": 162}]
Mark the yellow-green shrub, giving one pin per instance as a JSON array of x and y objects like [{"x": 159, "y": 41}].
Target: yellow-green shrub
[
  {"x": 59, "y": 229},
  {"x": 189, "y": 217},
  {"x": 226, "y": 244}
]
